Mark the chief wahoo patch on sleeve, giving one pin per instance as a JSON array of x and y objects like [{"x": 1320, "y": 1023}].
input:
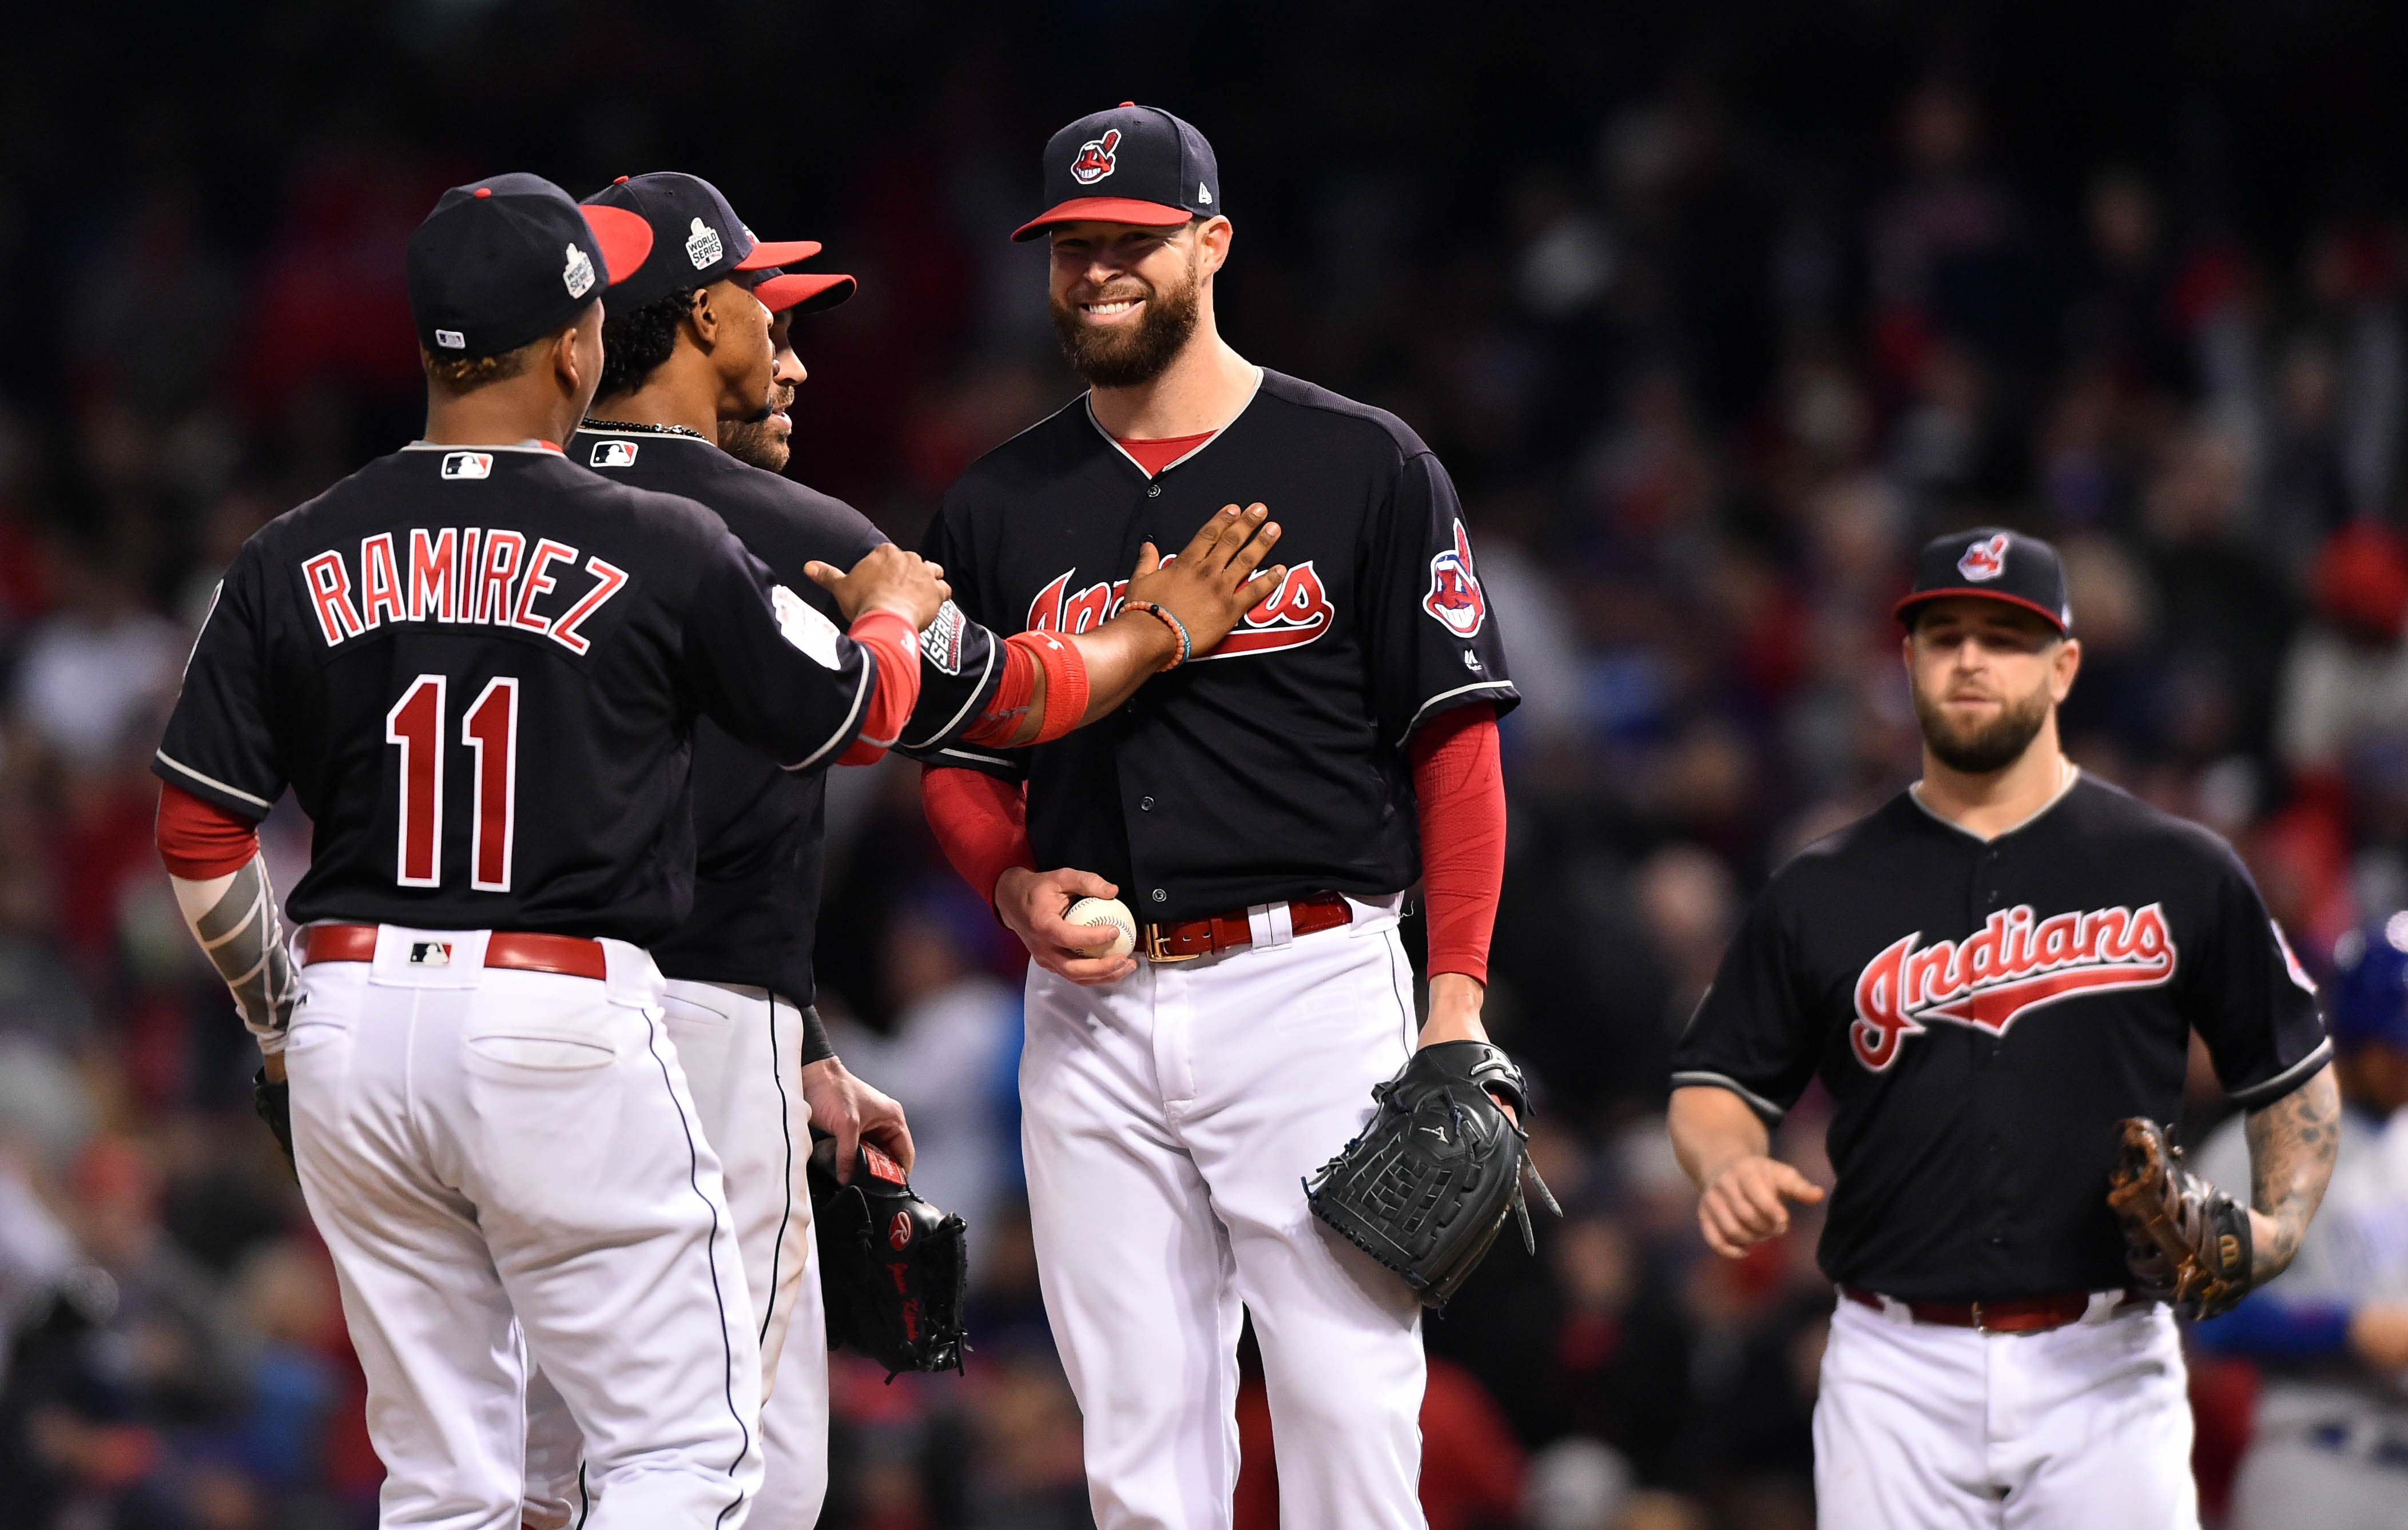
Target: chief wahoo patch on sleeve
[{"x": 1454, "y": 598}]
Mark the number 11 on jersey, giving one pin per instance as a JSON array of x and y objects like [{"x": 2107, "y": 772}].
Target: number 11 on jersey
[{"x": 415, "y": 726}]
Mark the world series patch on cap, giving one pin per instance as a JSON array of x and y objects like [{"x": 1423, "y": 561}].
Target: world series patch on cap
[
  {"x": 1131, "y": 165},
  {"x": 1993, "y": 563},
  {"x": 502, "y": 260},
  {"x": 697, "y": 239}
]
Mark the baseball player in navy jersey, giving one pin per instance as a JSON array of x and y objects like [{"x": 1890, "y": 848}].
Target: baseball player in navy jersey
[
  {"x": 1262, "y": 808},
  {"x": 478, "y": 668},
  {"x": 1989, "y": 975},
  {"x": 693, "y": 350}
]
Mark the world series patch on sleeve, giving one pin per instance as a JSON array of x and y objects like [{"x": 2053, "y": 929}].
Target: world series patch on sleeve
[{"x": 893, "y": 1268}]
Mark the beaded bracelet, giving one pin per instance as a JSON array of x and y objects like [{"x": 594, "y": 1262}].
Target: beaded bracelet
[{"x": 1186, "y": 644}]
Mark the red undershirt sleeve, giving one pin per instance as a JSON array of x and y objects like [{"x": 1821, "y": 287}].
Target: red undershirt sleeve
[
  {"x": 1460, "y": 788},
  {"x": 981, "y": 822},
  {"x": 1025, "y": 653},
  {"x": 888, "y": 635},
  {"x": 200, "y": 840}
]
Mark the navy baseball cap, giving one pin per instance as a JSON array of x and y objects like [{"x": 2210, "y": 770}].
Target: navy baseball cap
[
  {"x": 1131, "y": 165},
  {"x": 2369, "y": 1001},
  {"x": 697, "y": 237},
  {"x": 502, "y": 261},
  {"x": 1996, "y": 564}
]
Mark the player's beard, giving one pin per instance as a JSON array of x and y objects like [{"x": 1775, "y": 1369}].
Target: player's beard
[
  {"x": 1982, "y": 749},
  {"x": 1133, "y": 355},
  {"x": 767, "y": 442}
]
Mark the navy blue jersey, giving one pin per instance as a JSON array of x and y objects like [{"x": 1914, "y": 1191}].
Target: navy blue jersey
[
  {"x": 758, "y": 830},
  {"x": 479, "y": 670},
  {"x": 1273, "y": 767},
  {"x": 1985, "y": 1012}
]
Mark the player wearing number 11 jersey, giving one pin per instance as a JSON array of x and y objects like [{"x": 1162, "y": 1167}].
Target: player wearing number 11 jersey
[{"x": 478, "y": 668}]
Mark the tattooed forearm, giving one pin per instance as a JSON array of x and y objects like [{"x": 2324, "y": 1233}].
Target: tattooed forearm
[
  {"x": 2291, "y": 1146},
  {"x": 236, "y": 922}
]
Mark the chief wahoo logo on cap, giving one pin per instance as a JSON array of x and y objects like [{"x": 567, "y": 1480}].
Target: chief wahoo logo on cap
[
  {"x": 1984, "y": 561},
  {"x": 1095, "y": 158}
]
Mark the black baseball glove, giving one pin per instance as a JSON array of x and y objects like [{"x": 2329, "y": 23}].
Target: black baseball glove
[
  {"x": 2186, "y": 1242},
  {"x": 1426, "y": 1184},
  {"x": 893, "y": 1268}
]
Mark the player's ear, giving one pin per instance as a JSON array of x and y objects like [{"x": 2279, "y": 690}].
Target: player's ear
[
  {"x": 577, "y": 353},
  {"x": 1213, "y": 238},
  {"x": 702, "y": 317},
  {"x": 2064, "y": 667}
]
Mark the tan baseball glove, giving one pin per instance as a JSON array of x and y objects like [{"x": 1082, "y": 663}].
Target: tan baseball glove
[{"x": 2186, "y": 1242}]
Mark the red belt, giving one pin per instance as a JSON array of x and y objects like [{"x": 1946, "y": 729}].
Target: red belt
[
  {"x": 1190, "y": 939},
  {"x": 2016, "y": 1315},
  {"x": 565, "y": 954}
]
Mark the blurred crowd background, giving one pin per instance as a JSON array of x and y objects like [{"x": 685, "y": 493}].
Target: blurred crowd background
[{"x": 1714, "y": 312}]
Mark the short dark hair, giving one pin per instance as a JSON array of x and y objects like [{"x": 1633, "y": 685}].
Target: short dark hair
[
  {"x": 636, "y": 343},
  {"x": 467, "y": 374}
]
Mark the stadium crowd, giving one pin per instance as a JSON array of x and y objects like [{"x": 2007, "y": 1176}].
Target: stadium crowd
[{"x": 1703, "y": 389}]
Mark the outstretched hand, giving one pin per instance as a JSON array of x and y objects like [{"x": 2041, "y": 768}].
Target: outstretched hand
[
  {"x": 888, "y": 579},
  {"x": 1212, "y": 583}
]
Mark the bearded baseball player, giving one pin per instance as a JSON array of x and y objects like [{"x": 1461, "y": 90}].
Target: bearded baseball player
[
  {"x": 479, "y": 668},
  {"x": 1261, "y": 808},
  {"x": 695, "y": 349},
  {"x": 1997, "y": 976}
]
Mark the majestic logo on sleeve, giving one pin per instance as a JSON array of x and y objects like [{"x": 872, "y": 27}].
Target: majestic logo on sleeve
[
  {"x": 2015, "y": 963},
  {"x": 1098, "y": 158},
  {"x": 1291, "y": 616},
  {"x": 1984, "y": 561},
  {"x": 1454, "y": 598}
]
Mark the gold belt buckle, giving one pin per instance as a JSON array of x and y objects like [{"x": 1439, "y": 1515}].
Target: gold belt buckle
[
  {"x": 1158, "y": 948},
  {"x": 1979, "y": 1326}
]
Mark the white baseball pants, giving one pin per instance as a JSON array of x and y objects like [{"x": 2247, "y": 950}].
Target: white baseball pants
[
  {"x": 1168, "y": 1122},
  {"x": 507, "y": 1165},
  {"x": 741, "y": 1052},
  {"x": 1924, "y": 1428}
]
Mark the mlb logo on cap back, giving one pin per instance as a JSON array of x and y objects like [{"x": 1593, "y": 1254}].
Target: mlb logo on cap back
[
  {"x": 1131, "y": 165},
  {"x": 504, "y": 261},
  {"x": 1995, "y": 565}
]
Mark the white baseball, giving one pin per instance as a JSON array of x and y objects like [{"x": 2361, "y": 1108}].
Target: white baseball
[{"x": 1111, "y": 911}]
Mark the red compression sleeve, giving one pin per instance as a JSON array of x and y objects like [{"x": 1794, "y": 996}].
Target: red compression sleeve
[
  {"x": 1461, "y": 789},
  {"x": 889, "y": 634},
  {"x": 1024, "y": 654},
  {"x": 981, "y": 822},
  {"x": 200, "y": 839}
]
